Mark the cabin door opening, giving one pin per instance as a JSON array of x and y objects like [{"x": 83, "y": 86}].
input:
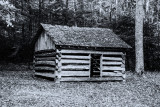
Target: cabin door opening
[{"x": 95, "y": 65}]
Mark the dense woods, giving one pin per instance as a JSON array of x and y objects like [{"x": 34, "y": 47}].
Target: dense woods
[{"x": 20, "y": 19}]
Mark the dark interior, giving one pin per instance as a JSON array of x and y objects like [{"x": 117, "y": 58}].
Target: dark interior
[{"x": 95, "y": 65}]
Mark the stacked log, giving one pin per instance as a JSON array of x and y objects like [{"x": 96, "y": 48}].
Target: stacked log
[
  {"x": 45, "y": 63},
  {"x": 113, "y": 65},
  {"x": 75, "y": 65}
]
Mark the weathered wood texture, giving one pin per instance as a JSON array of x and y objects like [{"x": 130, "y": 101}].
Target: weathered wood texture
[
  {"x": 52, "y": 54},
  {"x": 101, "y": 65},
  {"x": 49, "y": 63},
  {"x": 44, "y": 68},
  {"x": 58, "y": 66},
  {"x": 44, "y": 63},
  {"x": 45, "y": 51},
  {"x": 93, "y": 79},
  {"x": 71, "y": 61},
  {"x": 50, "y": 75},
  {"x": 75, "y": 73},
  {"x": 113, "y": 65},
  {"x": 74, "y": 65},
  {"x": 44, "y": 42},
  {"x": 90, "y": 52},
  {"x": 45, "y": 59}
]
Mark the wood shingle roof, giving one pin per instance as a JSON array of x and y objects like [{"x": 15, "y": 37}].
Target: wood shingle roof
[{"x": 84, "y": 36}]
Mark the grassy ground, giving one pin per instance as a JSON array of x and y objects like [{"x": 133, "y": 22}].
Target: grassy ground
[
  {"x": 15, "y": 66},
  {"x": 22, "y": 89}
]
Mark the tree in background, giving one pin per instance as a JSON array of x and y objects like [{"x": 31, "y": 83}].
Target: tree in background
[
  {"x": 118, "y": 15},
  {"x": 7, "y": 13},
  {"x": 139, "y": 37}
]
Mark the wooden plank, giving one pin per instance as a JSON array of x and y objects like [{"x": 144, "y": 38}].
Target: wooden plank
[
  {"x": 75, "y": 57},
  {"x": 46, "y": 54},
  {"x": 44, "y": 71},
  {"x": 112, "y": 58},
  {"x": 45, "y": 59},
  {"x": 113, "y": 68},
  {"x": 75, "y": 73},
  {"x": 111, "y": 63},
  {"x": 45, "y": 68},
  {"x": 75, "y": 61},
  {"x": 45, "y": 63},
  {"x": 75, "y": 67},
  {"x": 113, "y": 74},
  {"x": 45, "y": 51},
  {"x": 50, "y": 75},
  {"x": 117, "y": 71},
  {"x": 91, "y": 52},
  {"x": 92, "y": 79}
]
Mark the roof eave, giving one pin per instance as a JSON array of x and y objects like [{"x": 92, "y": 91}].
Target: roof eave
[{"x": 90, "y": 47}]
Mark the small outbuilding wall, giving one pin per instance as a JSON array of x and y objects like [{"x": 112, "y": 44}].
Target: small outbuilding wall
[
  {"x": 45, "y": 63},
  {"x": 44, "y": 42},
  {"x": 80, "y": 65}
]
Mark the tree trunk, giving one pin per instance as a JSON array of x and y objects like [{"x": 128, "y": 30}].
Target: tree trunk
[
  {"x": 139, "y": 37},
  {"x": 117, "y": 10},
  {"x": 66, "y": 4},
  {"x": 82, "y": 10},
  {"x": 110, "y": 14},
  {"x": 30, "y": 19},
  {"x": 39, "y": 16},
  {"x": 75, "y": 15},
  {"x": 23, "y": 34}
]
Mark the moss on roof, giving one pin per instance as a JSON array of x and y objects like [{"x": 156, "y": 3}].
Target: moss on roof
[{"x": 84, "y": 36}]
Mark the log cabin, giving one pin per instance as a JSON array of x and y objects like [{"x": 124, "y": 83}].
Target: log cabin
[{"x": 79, "y": 54}]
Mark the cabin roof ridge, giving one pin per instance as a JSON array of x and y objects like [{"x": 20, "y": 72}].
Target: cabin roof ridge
[{"x": 84, "y": 36}]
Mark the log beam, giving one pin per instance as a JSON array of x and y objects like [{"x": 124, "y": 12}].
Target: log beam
[
  {"x": 45, "y": 51},
  {"x": 90, "y": 52},
  {"x": 50, "y": 63},
  {"x": 44, "y": 69}
]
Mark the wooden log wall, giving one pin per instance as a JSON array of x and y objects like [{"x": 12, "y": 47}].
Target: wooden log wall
[
  {"x": 44, "y": 63},
  {"x": 74, "y": 65},
  {"x": 113, "y": 65}
]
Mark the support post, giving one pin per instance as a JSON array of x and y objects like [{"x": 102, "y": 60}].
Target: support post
[
  {"x": 34, "y": 61},
  {"x": 89, "y": 65},
  {"x": 123, "y": 62},
  {"x": 123, "y": 66},
  {"x": 58, "y": 66},
  {"x": 101, "y": 70}
]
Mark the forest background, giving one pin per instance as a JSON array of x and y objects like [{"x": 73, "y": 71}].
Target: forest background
[{"x": 20, "y": 19}]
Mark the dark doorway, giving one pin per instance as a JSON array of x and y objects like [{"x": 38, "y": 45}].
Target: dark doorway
[{"x": 95, "y": 65}]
